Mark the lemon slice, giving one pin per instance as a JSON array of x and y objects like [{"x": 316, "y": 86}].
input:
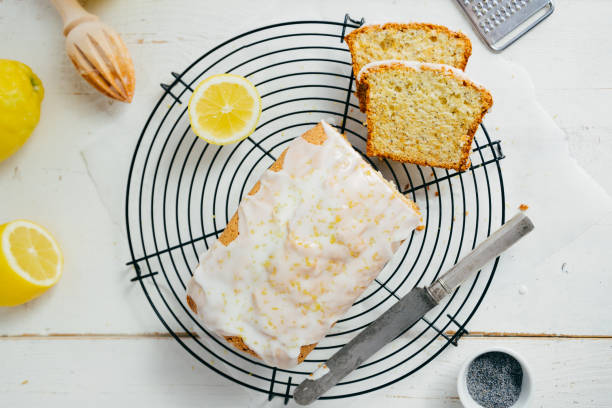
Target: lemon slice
[
  {"x": 30, "y": 262},
  {"x": 224, "y": 109}
]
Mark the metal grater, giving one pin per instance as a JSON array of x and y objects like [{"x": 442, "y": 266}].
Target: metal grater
[{"x": 496, "y": 19}]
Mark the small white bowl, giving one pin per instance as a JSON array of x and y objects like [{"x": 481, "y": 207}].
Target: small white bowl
[{"x": 526, "y": 395}]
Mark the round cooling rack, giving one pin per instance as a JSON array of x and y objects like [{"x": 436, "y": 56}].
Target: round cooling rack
[{"x": 181, "y": 192}]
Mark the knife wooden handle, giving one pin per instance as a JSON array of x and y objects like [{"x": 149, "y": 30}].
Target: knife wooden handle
[{"x": 502, "y": 239}]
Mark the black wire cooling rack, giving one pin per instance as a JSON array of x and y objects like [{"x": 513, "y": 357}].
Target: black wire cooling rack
[{"x": 182, "y": 191}]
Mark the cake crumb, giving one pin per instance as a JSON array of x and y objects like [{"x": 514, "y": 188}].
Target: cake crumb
[
  {"x": 420, "y": 228},
  {"x": 523, "y": 207},
  {"x": 24, "y": 382}
]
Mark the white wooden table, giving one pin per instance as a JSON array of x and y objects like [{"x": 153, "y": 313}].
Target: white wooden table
[{"x": 93, "y": 340}]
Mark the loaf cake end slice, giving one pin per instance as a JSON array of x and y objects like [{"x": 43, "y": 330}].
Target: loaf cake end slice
[
  {"x": 406, "y": 41},
  {"x": 422, "y": 113}
]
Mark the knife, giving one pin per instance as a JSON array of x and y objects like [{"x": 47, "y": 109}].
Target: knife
[{"x": 409, "y": 309}]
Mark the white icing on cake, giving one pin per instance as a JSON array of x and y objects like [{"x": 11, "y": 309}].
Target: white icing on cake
[
  {"x": 418, "y": 66},
  {"x": 380, "y": 23},
  {"x": 310, "y": 241}
]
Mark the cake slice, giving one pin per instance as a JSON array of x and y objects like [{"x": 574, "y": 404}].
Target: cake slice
[
  {"x": 406, "y": 41},
  {"x": 312, "y": 234},
  {"x": 422, "y": 113}
]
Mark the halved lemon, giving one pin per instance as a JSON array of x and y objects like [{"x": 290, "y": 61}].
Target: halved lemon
[
  {"x": 224, "y": 109},
  {"x": 30, "y": 262}
]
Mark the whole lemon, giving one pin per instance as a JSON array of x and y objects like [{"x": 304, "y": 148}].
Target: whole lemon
[{"x": 21, "y": 93}]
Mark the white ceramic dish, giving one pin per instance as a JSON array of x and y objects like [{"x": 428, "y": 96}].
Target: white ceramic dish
[{"x": 526, "y": 387}]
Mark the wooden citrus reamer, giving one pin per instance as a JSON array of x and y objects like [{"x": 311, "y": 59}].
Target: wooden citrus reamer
[{"x": 97, "y": 51}]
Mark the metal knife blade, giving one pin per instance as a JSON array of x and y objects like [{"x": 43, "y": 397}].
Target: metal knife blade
[
  {"x": 409, "y": 309},
  {"x": 388, "y": 326}
]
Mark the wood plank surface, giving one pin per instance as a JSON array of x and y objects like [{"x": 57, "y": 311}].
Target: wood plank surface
[
  {"x": 93, "y": 340},
  {"x": 133, "y": 371},
  {"x": 48, "y": 180}
]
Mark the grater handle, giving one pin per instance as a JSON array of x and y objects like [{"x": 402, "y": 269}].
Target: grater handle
[
  {"x": 500, "y": 48},
  {"x": 501, "y": 23}
]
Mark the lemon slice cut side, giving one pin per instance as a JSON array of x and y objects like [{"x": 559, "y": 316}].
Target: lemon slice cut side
[
  {"x": 224, "y": 109},
  {"x": 30, "y": 262}
]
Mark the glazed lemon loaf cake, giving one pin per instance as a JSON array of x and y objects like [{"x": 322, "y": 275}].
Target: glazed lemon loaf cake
[
  {"x": 406, "y": 41},
  {"x": 422, "y": 113},
  {"x": 312, "y": 234}
]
